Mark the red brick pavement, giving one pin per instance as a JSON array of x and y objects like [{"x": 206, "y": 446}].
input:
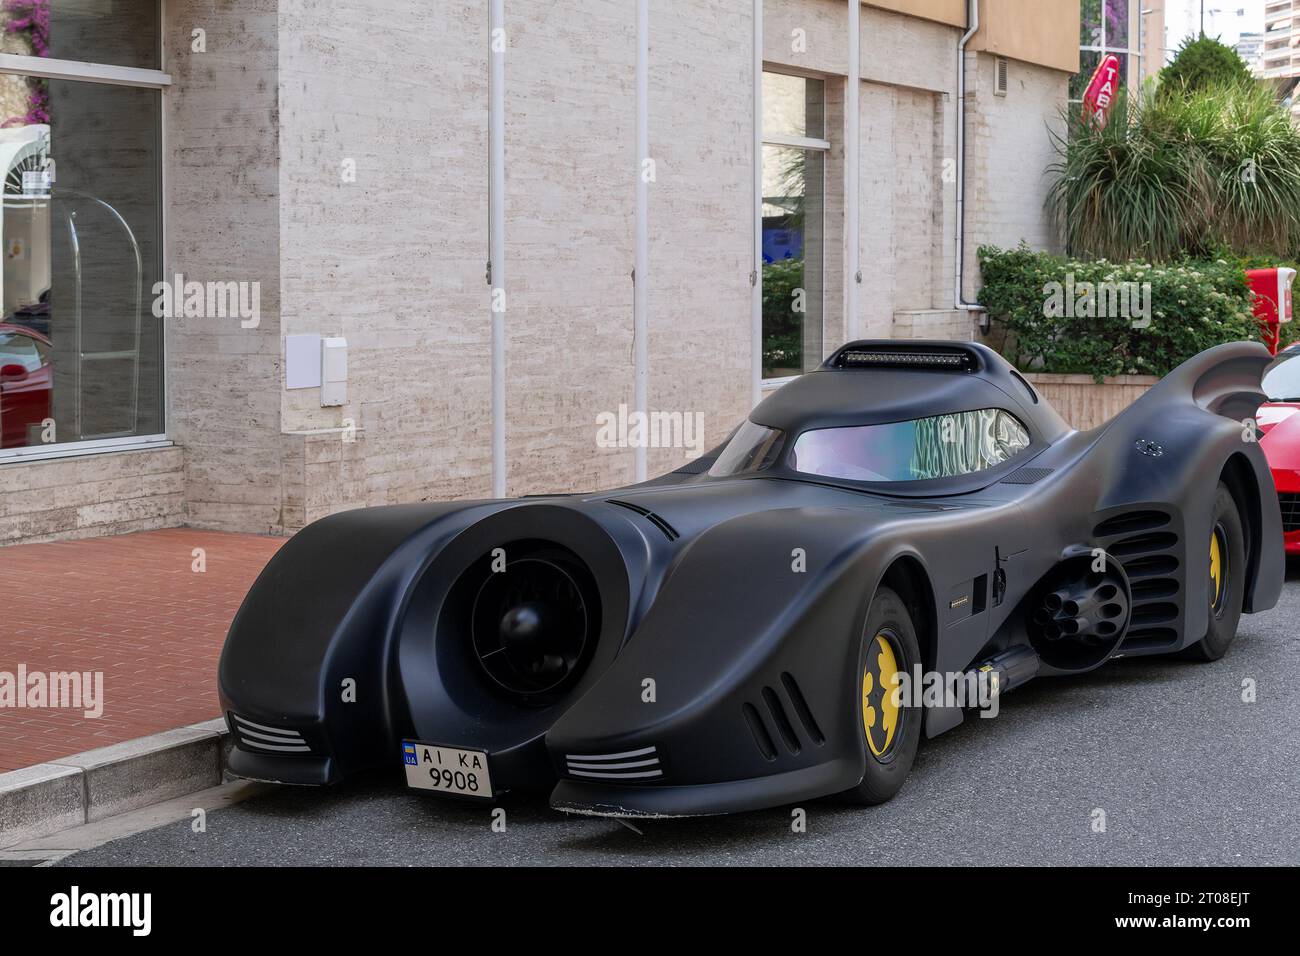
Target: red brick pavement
[{"x": 132, "y": 607}]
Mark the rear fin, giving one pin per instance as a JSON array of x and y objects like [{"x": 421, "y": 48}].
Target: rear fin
[{"x": 1226, "y": 380}]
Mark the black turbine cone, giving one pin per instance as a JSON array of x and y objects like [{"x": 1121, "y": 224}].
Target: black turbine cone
[{"x": 530, "y": 626}]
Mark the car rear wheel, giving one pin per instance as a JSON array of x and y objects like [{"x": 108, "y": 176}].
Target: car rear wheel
[
  {"x": 1227, "y": 579},
  {"x": 891, "y": 729}
]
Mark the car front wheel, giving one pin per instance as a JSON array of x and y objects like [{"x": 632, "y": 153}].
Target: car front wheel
[{"x": 891, "y": 728}]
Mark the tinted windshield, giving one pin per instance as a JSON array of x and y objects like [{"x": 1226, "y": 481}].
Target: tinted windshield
[
  {"x": 751, "y": 449},
  {"x": 927, "y": 448},
  {"x": 1282, "y": 384}
]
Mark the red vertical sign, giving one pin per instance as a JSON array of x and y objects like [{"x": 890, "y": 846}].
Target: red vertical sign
[{"x": 1099, "y": 97}]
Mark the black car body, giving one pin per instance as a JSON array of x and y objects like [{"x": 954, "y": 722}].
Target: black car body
[{"x": 694, "y": 644}]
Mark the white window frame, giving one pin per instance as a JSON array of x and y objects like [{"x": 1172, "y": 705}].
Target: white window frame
[
  {"x": 1135, "y": 23},
  {"x": 811, "y": 144},
  {"x": 103, "y": 73}
]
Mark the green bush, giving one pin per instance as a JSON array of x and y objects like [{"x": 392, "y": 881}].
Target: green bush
[
  {"x": 1192, "y": 307},
  {"x": 1202, "y": 63},
  {"x": 1181, "y": 176}
]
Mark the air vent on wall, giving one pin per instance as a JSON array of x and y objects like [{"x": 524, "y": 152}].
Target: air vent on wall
[{"x": 1002, "y": 77}]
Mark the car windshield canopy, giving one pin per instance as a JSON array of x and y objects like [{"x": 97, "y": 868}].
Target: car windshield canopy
[
  {"x": 751, "y": 449},
  {"x": 943, "y": 446},
  {"x": 1282, "y": 383}
]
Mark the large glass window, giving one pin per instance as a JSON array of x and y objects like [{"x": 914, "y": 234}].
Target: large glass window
[
  {"x": 1107, "y": 27},
  {"x": 118, "y": 32},
  {"x": 943, "y": 446},
  {"x": 81, "y": 228},
  {"x": 794, "y": 187}
]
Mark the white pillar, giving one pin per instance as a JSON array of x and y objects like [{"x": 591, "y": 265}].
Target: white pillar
[
  {"x": 852, "y": 158},
  {"x": 497, "y": 237},
  {"x": 640, "y": 288}
]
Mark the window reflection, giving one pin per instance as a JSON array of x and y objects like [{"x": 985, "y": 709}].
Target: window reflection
[
  {"x": 794, "y": 187},
  {"x": 80, "y": 229},
  {"x": 943, "y": 446}
]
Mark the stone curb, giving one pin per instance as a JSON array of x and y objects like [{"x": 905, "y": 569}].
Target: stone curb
[{"x": 86, "y": 787}]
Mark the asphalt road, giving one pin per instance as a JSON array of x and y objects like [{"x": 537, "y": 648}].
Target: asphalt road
[{"x": 1184, "y": 770}]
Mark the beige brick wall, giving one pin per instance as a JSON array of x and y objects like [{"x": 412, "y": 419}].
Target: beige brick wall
[
  {"x": 261, "y": 125},
  {"x": 700, "y": 213},
  {"x": 222, "y": 197},
  {"x": 1085, "y": 403},
  {"x": 570, "y": 117},
  {"x": 91, "y": 495},
  {"x": 393, "y": 261},
  {"x": 1009, "y": 148}
]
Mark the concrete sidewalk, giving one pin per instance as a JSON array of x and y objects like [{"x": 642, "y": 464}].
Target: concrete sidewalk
[{"x": 148, "y": 611}]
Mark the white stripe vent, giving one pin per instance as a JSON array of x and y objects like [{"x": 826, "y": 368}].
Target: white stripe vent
[
  {"x": 251, "y": 735},
  {"x": 642, "y": 764}
]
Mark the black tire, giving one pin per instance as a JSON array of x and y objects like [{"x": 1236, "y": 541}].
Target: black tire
[
  {"x": 1225, "y": 610},
  {"x": 885, "y": 772}
]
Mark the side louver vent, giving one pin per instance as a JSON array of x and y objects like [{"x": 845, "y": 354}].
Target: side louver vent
[
  {"x": 697, "y": 467},
  {"x": 1147, "y": 543},
  {"x": 250, "y": 735},
  {"x": 668, "y": 530},
  {"x": 1130, "y": 522},
  {"x": 1027, "y": 476},
  {"x": 641, "y": 764},
  {"x": 782, "y": 724}
]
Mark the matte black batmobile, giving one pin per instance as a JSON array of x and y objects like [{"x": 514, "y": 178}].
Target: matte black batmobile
[{"x": 721, "y": 638}]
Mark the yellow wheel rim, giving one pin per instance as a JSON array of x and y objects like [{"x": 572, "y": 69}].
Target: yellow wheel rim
[
  {"x": 879, "y": 707},
  {"x": 1218, "y": 567}
]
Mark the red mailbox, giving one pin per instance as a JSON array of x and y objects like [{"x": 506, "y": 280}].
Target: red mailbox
[{"x": 1272, "y": 290}]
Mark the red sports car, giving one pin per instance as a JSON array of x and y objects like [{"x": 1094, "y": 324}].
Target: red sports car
[
  {"x": 24, "y": 384},
  {"x": 1279, "y": 420}
]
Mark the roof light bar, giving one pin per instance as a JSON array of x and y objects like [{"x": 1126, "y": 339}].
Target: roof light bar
[{"x": 949, "y": 360}]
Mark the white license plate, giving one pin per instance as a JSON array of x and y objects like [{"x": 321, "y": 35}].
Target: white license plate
[{"x": 446, "y": 769}]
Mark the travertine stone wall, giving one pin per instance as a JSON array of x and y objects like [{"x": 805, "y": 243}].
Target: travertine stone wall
[{"x": 337, "y": 154}]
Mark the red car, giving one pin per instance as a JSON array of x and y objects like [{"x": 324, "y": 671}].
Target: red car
[
  {"x": 25, "y": 380},
  {"x": 1279, "y": 420}
]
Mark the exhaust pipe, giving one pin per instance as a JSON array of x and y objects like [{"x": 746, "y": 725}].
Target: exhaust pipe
[{"x": 1081, "y": 614}]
